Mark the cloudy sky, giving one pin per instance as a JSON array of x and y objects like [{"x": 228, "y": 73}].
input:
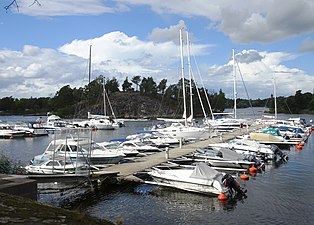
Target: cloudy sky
[{"x": 44, "y": 45}]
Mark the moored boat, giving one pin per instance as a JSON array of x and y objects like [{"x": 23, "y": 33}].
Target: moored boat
[{"x": 202, "y": 179}]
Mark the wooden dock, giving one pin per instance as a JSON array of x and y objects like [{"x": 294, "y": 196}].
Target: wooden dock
[{"x": 125, "y": 171}]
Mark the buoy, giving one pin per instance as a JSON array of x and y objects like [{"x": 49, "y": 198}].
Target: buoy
[
  {"x": 253, "y": 169},
  {"x": 299, "y": 147},
  {"x": 244, "y": 177},
  {"x": 222, "y": 196},
  {"x": 301, "y": 143},
  {"x": 93, "y": 129}
]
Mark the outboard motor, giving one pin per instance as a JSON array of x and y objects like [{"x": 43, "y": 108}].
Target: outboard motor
[
  {"x": 278, "y": 153},
  {"x": 258, "y": 164},
  {"x": 219, "y": 154},
  {"x": 233, "y": 186}
]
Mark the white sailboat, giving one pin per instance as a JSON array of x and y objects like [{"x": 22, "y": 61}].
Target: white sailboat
[
  {"x": 102, "y": 122},
  {"x": 97, "y": 121},
  {"x": 229, "y": 123},
  {"x": 184, "y": 128}
]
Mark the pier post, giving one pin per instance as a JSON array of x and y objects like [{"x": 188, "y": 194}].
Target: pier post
[
  {"x": 167, "y": 153},
  {"x": 181, "y": 142},
  {"x": 221, "y": 139}
]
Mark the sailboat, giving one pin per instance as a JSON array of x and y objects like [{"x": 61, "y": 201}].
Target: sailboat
[
  {"x": 229, "y": 123},
  {"x": 97, "y": 121},
  {"x": 184, "y": 128},
  {"x": 102, "y": 122}
]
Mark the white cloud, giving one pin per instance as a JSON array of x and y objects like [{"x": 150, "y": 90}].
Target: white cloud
[
  {"x": 258, "y": 76},
  {"x": 40, "y": 72},
  {"x": 64, "y": 8},
  {"x": 244, "y": 21},
  {"x": 37, "y": 72},
  {"x": 167, "y": 34}
]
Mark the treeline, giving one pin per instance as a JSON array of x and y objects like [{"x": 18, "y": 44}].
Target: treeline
[
  {"x": 138, "y": 95},
  {"x": 297, "y": 104}
]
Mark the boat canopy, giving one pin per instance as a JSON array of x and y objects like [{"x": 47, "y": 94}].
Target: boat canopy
[
  {"x": 202, "y": 171},
  {"x": 272, "y": 131}
]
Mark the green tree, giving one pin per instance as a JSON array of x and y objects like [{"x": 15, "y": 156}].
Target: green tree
[
  {"x": 162, "y": 86},
  {"x": 126, "y": 86},
  {"x": 220, "y": 101},
  {"x": 7, "y": 104},
  {"x": 148, "y": 86},
  {"x": 63, "y": 101},
  {"x": 136, "y": 80},
  {"x": 112, "y": 85},
  {"x": 311, "y": 103}
]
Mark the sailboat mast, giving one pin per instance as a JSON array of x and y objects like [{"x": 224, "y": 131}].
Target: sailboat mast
[
  {"x": 89, "y": 63},
  {"x": 234, "y": 86},
  {"x": 89, "y": 75},
  {"x": 182, "y": 76},
  {"x": 275, "y": 95},
  {"x": 190, "y": 74},
  {"x": 104, "y": 95}
]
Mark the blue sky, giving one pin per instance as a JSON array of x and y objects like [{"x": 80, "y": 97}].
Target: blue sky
[{"x": 46, "y": 47}]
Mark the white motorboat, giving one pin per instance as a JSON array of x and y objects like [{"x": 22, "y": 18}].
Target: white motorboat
[
  {"x": 80, "y": 148},
  {"x": 224, "y": 157},
  {"x": 32, "y": 129},
  {"x": 54, "y": 123},
  {"x": 139, "y": 146},
  {"x": 269, "y": 137},
  {"x": 116, "y": 146},
  {"x": 290, "y": 132},
  {"x": 201, "y": 179},
  {"x": 56, "y": 166},
  {"x": 156, "y": 137},
  {"x": 245, "y": 146},
  {"x": 227, "y": 124},
  {"x": 8, "y": 132}
]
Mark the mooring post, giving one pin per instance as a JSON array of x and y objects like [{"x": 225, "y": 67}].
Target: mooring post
[
  {"x": 167, "y": 153},
  {"x": 221, "y": 139},
  {"x": 181, "y": 142}
]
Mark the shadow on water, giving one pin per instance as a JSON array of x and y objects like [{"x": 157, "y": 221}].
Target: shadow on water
[{"x": 188, "y": 201}]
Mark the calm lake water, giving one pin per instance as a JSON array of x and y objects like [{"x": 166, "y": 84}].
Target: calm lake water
[{"x": 283, "y": 194}]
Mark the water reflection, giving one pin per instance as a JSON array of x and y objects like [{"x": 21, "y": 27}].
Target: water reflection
[{"x": 187, "y": 201}]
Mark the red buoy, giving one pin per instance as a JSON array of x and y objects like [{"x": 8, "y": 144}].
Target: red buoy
[
  {"x": 253, "y": 169},
  {"x": 299, "y": 147},
  {"x": 244, "y": 177},
  {"x": 222, "y": 196}
]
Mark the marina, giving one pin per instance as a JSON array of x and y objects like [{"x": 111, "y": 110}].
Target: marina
[{"x": 129, "y": 176}]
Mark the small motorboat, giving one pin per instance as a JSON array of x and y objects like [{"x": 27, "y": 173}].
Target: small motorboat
[
  {"x": 116, "y": 146},
  {"x": 7, "y": 131},
  {"x": 80, "y": 148},
  {"x": 223, "y": 157},
  {"x": 200, "y": 179},
  {"x": 56, "y": 166}
]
